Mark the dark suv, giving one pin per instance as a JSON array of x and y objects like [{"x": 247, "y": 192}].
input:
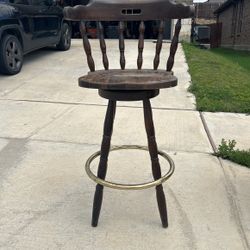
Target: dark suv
[{"x": 27, "y": 25}]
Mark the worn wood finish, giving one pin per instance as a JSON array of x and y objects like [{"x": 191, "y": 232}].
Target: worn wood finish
[
  {"x": 102, "y": 168},
  {"x": 128, "y": 95},
  {"x": 140, "y": 45},
  {"x": 156, "y": 169},
  {"x": 128, "y": 79},
  {"x": 129, "y": 84},
  {"x": 86, "y": 46},
  {"x": 174, "y": 45},
  {"x": 123, "y": 10},
  {"x": 159, "y": 45},
  {"x": 103, "y": 46},
  {"x": 122, "y": 45}
]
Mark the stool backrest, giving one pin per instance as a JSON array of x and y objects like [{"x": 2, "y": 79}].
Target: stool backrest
[{"x": 129, "y": 10}]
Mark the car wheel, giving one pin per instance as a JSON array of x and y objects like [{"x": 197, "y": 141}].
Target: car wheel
[
  {"x": 11, "y": 55},
  {"x": 65, "y": 41}
]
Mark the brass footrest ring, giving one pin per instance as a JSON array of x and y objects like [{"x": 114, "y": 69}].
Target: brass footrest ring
[{"x": 130, "y": 186}]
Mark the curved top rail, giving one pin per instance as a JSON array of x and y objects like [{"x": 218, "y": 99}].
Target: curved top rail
[{"x": 128, "y": 10}]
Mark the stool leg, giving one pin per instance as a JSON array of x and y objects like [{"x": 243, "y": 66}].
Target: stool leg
[
  {"x": 149, "y": 124},
  {"x": 102, "y": 168}
]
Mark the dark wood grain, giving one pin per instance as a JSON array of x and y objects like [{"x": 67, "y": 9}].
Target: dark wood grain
[
  {"x": 102, "y": 167},
  {"x": 140, "y": 45},
  {"x": 129, "y": 84},
  {"x": 107, "y": 10},
  {"x": 156, "y": 169},
  {"x": 159, "y": 45},
  {"x": 122, "y": 45},
  {"x": 86, "y": 46},
  {"x": 128, "y": 79},
  {"x": 103, "y": 46},
  {"x": 128, "y": 95},
  {"x": 174, "y": 46}
]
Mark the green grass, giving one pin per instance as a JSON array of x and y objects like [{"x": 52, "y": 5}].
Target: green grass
[
  {"x": 227, "y": 150},
  {"x": 220, "y": 79}
]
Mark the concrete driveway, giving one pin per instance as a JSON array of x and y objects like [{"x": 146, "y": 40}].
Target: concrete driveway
[{"x": 49, "y": 127}]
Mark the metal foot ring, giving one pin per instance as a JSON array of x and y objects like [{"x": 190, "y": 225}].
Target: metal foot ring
[{"x": 130, "y": 186}]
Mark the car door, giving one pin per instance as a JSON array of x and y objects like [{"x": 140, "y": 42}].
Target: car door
[
  {"x": 54, "y": 21},
  {"x": 24, "y": 13},
  {"x": 46, "y": 22}
]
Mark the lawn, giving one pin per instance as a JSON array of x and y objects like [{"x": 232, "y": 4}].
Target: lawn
[{"x": 220, "y": 78}]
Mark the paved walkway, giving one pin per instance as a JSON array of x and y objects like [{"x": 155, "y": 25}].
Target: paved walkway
[{"x": 49, "y": 126}]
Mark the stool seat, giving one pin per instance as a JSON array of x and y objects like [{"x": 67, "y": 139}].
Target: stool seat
[{"x": 128, "y": 79}]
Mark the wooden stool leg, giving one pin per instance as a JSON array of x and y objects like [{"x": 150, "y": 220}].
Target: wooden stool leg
[
  {"x": 148, "y": 117},
  {"x": 102, "y": 168}
]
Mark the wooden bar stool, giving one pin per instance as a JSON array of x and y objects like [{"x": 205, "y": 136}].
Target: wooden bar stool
[{"x": 129, "y": 84}]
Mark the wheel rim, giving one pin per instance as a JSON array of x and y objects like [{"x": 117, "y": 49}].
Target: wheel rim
[
  {"x": 13, "y": 55},
  {"x": 67, "y": 37}
]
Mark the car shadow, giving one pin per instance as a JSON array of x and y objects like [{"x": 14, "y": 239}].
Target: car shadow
[
  {"x": 38, "y": 54},
  {"x": 33, "y": 57}
]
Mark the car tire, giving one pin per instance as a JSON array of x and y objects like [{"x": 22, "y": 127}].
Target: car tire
[
  {"x": 11, "y": 55},
  {"x": 65, "y": 40}
]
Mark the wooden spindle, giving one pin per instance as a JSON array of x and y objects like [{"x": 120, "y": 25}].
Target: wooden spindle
[
  {"x": 140, "y": 44},
  {"x": 174, "y": 45},
  {"x": 159, "y": 45},
  {"x": 86, "y": 46},
  {"x": 103, "y": 46},
  {"x": 122, "y": 45}
]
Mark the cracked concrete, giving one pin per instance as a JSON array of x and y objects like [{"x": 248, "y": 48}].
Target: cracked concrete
[
  {"x": 229, "y": 126},
  {"x": 49, "y": 127}
]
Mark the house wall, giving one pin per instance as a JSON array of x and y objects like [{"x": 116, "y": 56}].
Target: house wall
[
  {"x": 226, "y": 19},
  {"x": 206, "y": 10},
  {"x": 236, "y": 40}
]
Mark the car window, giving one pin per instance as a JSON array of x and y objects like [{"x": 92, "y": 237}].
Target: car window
[
  {"x": 19, "y": 2},
  {"x": 39, "y": 2}
]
